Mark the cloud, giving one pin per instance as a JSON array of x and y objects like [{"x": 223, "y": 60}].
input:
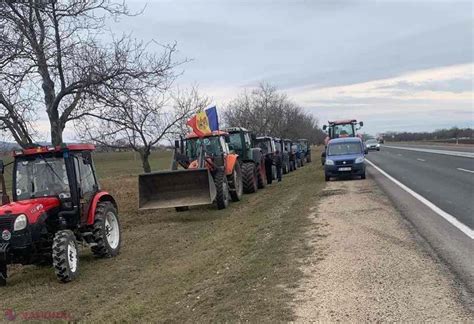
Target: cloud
[{"x": 418, "y": 100}]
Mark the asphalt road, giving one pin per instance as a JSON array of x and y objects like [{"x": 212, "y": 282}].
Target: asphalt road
[
  {"x": 435, "y": 193},
  {"x": 447, "y": 181}
]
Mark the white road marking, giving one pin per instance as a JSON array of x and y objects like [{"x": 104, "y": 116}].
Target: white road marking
[
  {"x": 444, "y": 152},
  {"x": 448, "y": 217},
  {"x": 421, "y": 160},
  {"x": 465, "y": 170}
]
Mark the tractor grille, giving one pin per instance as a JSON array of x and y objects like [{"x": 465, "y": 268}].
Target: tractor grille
[{"x": 6, "y": 222}]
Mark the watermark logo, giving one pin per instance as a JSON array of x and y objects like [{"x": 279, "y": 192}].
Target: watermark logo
[{"x": 11, "y": 315}]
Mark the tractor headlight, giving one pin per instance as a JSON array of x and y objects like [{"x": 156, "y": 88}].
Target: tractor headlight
[
  {"x": 20, "y": 223},
  {"x": 329, "y": 162},
  {"x": 360, "y": 159}
]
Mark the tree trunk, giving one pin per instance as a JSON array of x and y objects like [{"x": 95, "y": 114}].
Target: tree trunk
[
  {"x": 56, "y": 132},
  {"x": 144, "y": 155}
]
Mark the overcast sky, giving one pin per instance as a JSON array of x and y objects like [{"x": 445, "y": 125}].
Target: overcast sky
[{"x": 396, "y": 65}]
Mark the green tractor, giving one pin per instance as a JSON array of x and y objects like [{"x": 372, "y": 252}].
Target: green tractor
[
  {"x": 306, "y": 149},
  {"x": 251, "y": 159}
]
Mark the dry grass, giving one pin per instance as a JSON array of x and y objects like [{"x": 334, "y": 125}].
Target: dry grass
[{"x": 199, "y": 265}]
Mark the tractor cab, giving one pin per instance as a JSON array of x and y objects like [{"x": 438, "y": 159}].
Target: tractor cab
[
  {"x": 215, "y": 144},
  {"x": 240, "y": 142},
  {"x": 340, "y": 129},
  {"x": 55, "y": 199},
  {"x": 287, "y": 145},
  {"x": 267, "y": 144}
]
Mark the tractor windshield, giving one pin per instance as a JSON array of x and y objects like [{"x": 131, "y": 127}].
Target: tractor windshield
[
  {"x": 235, "y": 141},
  {"x": 212, "y": 146},
  {"x": 265, "y": 145},
  {"x": 39, "y": 177},
  {"x": 344, "y": 130}
]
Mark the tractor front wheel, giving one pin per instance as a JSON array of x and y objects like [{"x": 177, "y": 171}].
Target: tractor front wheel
[
  {"x": 106, "y": 232},
  {"x": 222, "y": 190},
  {"x": 65, "y": 256},
  {"x": 235, "y": 183},
  {"x": 249, "y": 177}
]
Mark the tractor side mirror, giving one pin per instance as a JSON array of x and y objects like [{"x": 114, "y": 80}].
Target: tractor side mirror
[
  {"x": 2, "y": 167},
  {"x": 87, "y": 156},
  {"x": 176, "y": 144},
  {"x": 325, "y": 127},
  {"x": 361, "y": 123}
]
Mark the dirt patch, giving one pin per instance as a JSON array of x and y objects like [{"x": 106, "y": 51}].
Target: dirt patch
[
  {"x": 366, "y": 266},
  {"x": 331, "y": 192}
]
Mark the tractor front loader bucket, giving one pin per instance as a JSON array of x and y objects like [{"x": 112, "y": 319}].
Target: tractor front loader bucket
[{"x": 176, "y": 188}]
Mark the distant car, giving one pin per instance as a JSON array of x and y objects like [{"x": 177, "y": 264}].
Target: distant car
[
  {"x": 372, "y": 145},
  {"x": 345, "y": 157}
]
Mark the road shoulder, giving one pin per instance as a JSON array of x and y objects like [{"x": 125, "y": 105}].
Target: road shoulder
[{"x": 366, "y": 265}]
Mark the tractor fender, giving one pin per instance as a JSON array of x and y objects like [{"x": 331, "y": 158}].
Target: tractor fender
[
  {"x": 99, "y": 197},
  {"x": 230, "y": 163}
]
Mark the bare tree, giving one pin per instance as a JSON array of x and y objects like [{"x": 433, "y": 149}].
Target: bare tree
[
  {"x": 266, "y": 111},
  {"x": 140, "y": 120},
  {"x": 54, "y": 57}
]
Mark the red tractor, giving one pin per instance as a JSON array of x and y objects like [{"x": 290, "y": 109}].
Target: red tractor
[
  {"x": 57, "y": 202},
  {"x": 340, "y": 129}
]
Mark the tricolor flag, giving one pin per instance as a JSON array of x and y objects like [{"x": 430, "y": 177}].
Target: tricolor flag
[
  {"x": 204, "y": 122},
  {"x": 212, "y": 117}
]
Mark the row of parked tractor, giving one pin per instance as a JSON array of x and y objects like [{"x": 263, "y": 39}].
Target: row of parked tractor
[
  {"x": 57, "y": 203},
  {"x": 219, "y": 167}
]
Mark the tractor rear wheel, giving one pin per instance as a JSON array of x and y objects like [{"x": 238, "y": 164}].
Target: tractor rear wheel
[
  {"x": 106, "y": 233},
  {"x": 222, "y": 190},
  {"x": 236, "y": 183},
  {"x": 261, "y": 179},
  {"x": 249, "y": 177},
  {"x": 65, "y": 256}
]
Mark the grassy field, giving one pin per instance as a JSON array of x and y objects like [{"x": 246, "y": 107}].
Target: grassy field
[{"x": 199, "y": 265}]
